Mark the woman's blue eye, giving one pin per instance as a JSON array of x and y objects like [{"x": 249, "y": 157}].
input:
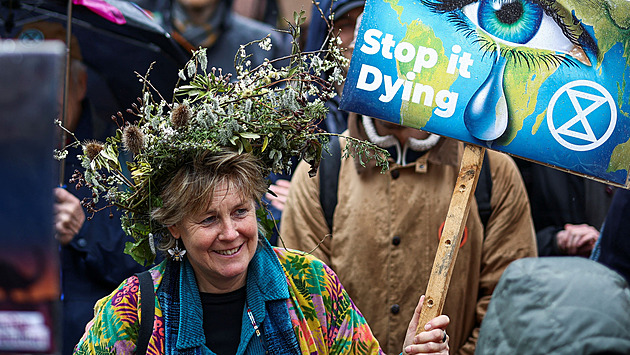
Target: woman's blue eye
[
  {"x": 209, "y": 220},
  {"x": 515, "y": 21}
]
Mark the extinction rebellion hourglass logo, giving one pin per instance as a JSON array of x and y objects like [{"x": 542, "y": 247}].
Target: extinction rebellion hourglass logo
[{"x": 594, "y": 115}]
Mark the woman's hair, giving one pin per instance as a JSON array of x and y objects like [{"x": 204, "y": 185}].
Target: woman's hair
[{"x": 192, "y": 188}]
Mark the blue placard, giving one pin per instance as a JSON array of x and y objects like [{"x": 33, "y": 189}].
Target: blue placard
[{"x": 545, "y": 81}]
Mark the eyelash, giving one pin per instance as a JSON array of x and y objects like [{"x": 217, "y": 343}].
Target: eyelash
[
  {"x": 242, "y": 211},
  {"x": 547, "y": 6},
  {"x": 519, "y": 58},
  {"x": 209, "y": 220},
  {"x": 239, "y": 212},
  {"x": 513, "y": 55},
  {"x": 444, "y": 6}
]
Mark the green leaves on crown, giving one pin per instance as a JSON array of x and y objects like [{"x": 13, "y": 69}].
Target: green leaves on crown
[{"x": 271, "y": 110}]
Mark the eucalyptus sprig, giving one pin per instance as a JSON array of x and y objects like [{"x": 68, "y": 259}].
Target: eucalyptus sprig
[{"x": 271, "y": 111}]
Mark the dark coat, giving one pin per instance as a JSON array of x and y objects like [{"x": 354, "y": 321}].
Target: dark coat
[
  {"x": 233, "y": 31},
  {"x": 558, "y": 198},
  {"x": 558, "y": 305},
  {"x": 615, "y": 238},
  {"x": 241, "y": 30}
]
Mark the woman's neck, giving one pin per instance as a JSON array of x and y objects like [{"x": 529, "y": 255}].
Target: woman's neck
[{"x": 217, "y": 286}]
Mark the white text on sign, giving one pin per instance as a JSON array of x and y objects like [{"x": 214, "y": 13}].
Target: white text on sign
[{"x": 371, "y": 78}]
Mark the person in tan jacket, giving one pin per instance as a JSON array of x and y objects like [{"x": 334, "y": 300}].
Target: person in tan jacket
[{"x": 386, "y": 228}]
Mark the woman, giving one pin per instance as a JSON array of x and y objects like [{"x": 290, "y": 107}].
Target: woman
[
  {"x": 233, "y": 293},
  {"x": 197, "y": 178}
]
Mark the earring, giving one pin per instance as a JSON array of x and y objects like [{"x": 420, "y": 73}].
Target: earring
[{"x": 176, "y": 253}]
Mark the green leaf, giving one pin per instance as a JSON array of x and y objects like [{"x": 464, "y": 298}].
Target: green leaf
[
  {"x": 246, "y": 145},
  {"x": 249, "y": 135},
  {"x": 110, "y": 154},
  {"x": 301, "y": 19},
  {"x": 296, "y": 17},
  {"x": 140, "y": 252},
  {"x": 265, "y": 221},
  {"x": 265, "y": 143}
]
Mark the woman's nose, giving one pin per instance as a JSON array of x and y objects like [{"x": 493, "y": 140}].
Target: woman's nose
[{"x": 229, "y": 230}]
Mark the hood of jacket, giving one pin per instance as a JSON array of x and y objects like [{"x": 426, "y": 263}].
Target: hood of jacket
[
  {"x": 318, "y": 29},
  {"x": 447, "y": 151},
  {"x": 561, "y": 306}
]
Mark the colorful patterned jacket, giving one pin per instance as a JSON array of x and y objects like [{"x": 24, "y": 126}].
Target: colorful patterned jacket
[{"x": 323, "y": 317}]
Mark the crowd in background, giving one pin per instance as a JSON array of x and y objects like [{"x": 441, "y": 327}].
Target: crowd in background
[{"x": 381, "y": 231}]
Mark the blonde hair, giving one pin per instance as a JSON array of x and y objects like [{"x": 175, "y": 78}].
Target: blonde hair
[{"x": 192, "y": 188}]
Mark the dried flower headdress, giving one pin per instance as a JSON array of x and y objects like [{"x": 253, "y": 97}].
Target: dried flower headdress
[{"x": 269, "y": 111}]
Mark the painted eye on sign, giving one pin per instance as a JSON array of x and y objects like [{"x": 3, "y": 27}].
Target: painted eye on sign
[{"x": 543, "y": 80}]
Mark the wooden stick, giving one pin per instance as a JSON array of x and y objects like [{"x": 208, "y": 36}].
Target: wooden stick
[
  {"x": 66, "y": 90},
  {"x": 448, "y": 248}
]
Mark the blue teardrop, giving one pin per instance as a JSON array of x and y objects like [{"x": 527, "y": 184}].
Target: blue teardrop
[{"x": 486, "y": 115}]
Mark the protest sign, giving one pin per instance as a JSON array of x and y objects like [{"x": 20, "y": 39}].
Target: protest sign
[
  {"x": 546, "y": 81},
  {"x": 543, "y": 80},
  {"x": 30, "y": 92}
]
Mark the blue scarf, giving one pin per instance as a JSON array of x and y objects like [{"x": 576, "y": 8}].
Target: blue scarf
[{"x": 267, "y": 294}]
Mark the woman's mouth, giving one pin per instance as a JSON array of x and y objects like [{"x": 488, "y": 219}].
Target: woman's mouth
[{"x": 229, "y": 251}]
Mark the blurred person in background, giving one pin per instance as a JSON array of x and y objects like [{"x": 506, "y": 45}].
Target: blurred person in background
[
  {"x": 568, "y": 210},
  {"x": 92, "y": 259},
  {"x": 382, "y": 231},
  {"x": 213, "y": 24}
]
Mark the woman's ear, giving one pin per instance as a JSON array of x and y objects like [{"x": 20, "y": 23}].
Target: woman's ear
[{"x": 174, "y": 231}]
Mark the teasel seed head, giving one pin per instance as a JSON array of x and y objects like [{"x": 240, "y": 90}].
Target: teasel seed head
[
  {"x": 92, "y": 149},
  {"x": 181, "y": 115},
  {"x": 133, "y": 139}
]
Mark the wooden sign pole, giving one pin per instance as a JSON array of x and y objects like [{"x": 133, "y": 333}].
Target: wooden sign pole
[{"x": 451, "y": 235}]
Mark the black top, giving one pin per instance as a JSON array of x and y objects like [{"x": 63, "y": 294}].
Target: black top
[{"x": 222, "y": 316}]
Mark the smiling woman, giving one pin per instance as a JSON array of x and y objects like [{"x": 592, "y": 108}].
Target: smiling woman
[
  {"x": 197, "y": 178},
  {"x": 216, "y": 198},
  {"x": 240, "y": 294}
]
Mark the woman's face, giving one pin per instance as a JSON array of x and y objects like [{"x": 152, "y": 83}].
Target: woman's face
[{"x": 221, "y": 241}]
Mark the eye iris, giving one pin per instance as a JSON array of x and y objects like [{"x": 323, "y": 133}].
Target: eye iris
[{"x": 514, "y": 21}]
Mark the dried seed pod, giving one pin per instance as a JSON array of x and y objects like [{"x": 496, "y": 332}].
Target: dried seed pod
[
  {"x": 133, "y": 139},
  {"x": 181, "y": 115},
  {"x": 92, "y": 149}
]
